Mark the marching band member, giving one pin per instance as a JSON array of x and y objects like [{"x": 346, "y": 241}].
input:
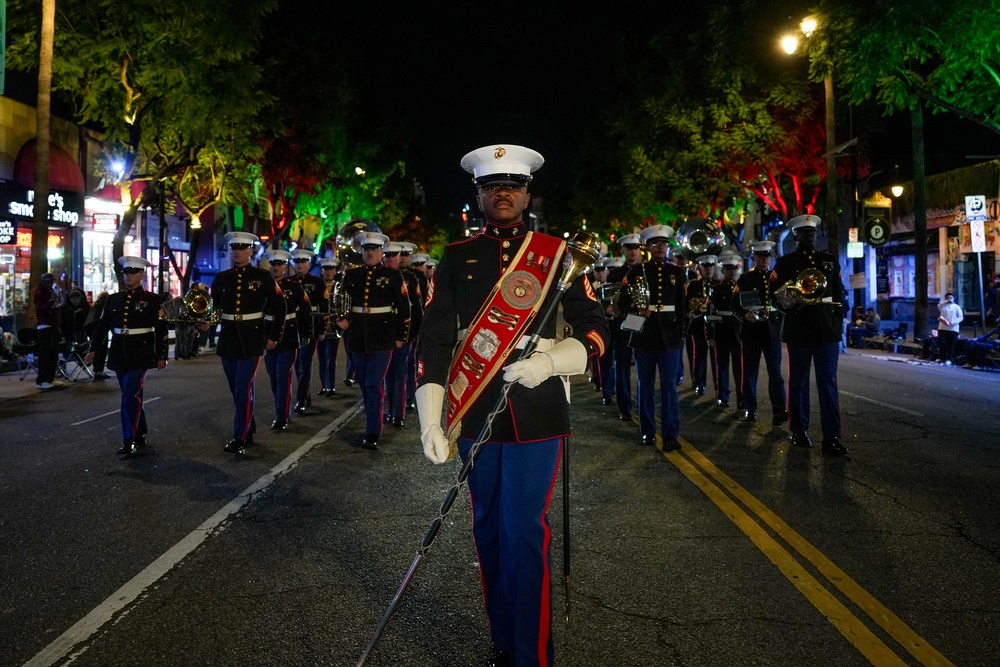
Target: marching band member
[
  {"x": 631, "y": 247},
  {"x": 315, "y": 288},
  {"x": 297, "y": 315},
  {"x": 376, "y": 326},
  {"x": 240, "y": 294},
  {"x": 483, "y": 298},
  {"x": 724, "y": 331},
  {"x": 811, "y": 333},
  {"x": 758, "y": 335},
  {"x": 329, "y": 342},
  {"x": 139, "y": 341},
  {"x": 657, "y": 343},
  {"x": 697, "y": 301},
  {"x": 416, "y": 285},
  {"x": 395, "y": 376}
]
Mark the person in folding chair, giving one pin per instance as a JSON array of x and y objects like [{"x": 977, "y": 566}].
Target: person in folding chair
[{"x": 139, "y": 341}]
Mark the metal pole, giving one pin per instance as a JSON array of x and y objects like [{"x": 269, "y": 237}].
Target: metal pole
[
  {"x": 566, "y": 545},
  {"x": 832, "y": 221}
]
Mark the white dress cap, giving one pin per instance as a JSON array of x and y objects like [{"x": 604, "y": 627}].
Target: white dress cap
[
  {"x": 431, "y": 263},
  {"x": 370, "y": 238},
  {"x": 280, "y": 255},
  {"x": 505, "y": 164},
  {"x": 707, "y": 259},
  {"x": 762, "y": 246},
  {"x": 730, "y": 260},
  {"x": 632, "y": 239},
  {"x": 245, "y": 238},
  {"x": 615, "y": 262},
  {"x": 133, "y": 262},
  {"x": 332, "y": 262},
  {"x": 804, "y": 221},
  {"x": 302, "y": 253},
  {"x": 656, "y": 232},
  {"x": 408, "y": 247},
  {"x": 393, "y": 246},
  {"x": 419, "y": 258}
]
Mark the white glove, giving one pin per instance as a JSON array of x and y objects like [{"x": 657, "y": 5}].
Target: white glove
[
  {"x": 566, "y": 358},
  {"x": 430, "y": 400}
]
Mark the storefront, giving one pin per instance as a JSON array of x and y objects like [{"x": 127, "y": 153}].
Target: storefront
[{"x": 17, "y": 205}]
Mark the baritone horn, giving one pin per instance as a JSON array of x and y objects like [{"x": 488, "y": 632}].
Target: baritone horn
[
  {"x": 806, "y": 290},
  {"x": 638, "y": 291},
  {"x": 700, "y": 236},
  {"x": 195, "y": 306}
]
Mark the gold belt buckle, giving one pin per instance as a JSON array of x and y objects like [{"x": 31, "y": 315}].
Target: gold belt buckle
[
  {"x": 124, "y": 331},
  {"x": 237, "y": 317}
]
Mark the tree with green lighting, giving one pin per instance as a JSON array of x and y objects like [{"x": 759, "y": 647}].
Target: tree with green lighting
[{"x": 164, "y": 84}]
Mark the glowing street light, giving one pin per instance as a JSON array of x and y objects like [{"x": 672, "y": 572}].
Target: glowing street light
[{"x": 359, "y": 171}]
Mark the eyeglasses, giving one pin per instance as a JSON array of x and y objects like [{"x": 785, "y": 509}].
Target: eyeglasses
[
  {"x": 239, "y": 246},
  {"x": 132, "y": 271}
]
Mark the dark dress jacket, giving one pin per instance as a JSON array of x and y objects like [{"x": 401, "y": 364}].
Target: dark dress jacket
[
  {"x": 380, "y": 309},
  {"x": 241, "y": 291},
  {"x": 299, "y": 327},
  {"x": 127, "y": 311},
  {"x": 812, "y": 324},
  {"x": 461, "y": 285},
  {"x": 754, "y": 284},
  {"x": 315, "y": 289},
  {"x": 667, "y": 285}
]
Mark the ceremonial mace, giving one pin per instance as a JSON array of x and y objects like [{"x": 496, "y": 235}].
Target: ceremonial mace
[{"x": 584, "y": 251}]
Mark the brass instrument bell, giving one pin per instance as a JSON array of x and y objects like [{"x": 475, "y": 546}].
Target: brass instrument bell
[
  {"x": 807, "y": 289},
  {"x": 584, "y": 250}
]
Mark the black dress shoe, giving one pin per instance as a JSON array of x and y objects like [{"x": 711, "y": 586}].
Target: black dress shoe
[
  {"x": 411, "y": 406},
  {"x": 398, "y": 422},
  {"x": 722, "y": 404},
  {"x": 700, "y": 391},
  {"x": 279, "y": 425},
  {"x": 779, "y": 418},
  {"x": 605, "y": 401},
  {"x": 128, "y": 448},
  {"x": 499, "y": 658},
  {"x": 671, "y": 445},
  {"x": 801, "y": 439},
  {"x": 625, "y": 417},
  {"x": 300, "y": 406},
  {"x": 370, "y": 441},
  {"x": 680, "y": 380},
  {"x": 331, "y": 392},
  {"x": 387, "y": 418},
  {"x": 833, "y": 447},
  {"x": 140, "y": 441},
  {"x": 750, "y": 416},
  {"x": 348, "y": 382},
  {"x": 235, "y": 446},
  {"x": 740, "y": 405},
  {"x": 647, "y": 440}
]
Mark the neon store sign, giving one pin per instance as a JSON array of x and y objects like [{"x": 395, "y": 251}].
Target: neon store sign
[{"x": 57, "y": 210}]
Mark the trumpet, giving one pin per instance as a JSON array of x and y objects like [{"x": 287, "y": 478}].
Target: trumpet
[
  {"x": 806, "y": 290},
  {"x": 195, "y": 306},
  {"x": 759, "y": 314}
]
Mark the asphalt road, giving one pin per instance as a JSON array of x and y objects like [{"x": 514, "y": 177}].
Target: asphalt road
[{"x": 736, "y": 551}]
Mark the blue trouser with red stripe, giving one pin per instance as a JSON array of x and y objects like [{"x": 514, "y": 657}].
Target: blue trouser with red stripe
[
  {"x": 370, "y": 369},
  {"x": 133, "y": 415},
  {"x": 510, "y": 486},
  {"x": 241, "y": 374},
  {"x": 279, "y": 364},
  {"x": 647, "y": 364},
  {"x": 824, "y": 357},
  {"x": 304, "y": 369}
]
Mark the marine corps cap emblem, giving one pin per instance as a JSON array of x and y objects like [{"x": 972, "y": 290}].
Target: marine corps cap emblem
[{"x": 499, "y": 152}]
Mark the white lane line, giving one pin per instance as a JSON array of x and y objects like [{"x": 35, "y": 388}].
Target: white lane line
[
  {"x": 87, "y": 626},
  {"x": 114, "y": 412},
  {"x": 884, "y": 405}
]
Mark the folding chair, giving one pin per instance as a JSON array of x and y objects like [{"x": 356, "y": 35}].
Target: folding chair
[
  {"x": 73, "y": 352},
  {"x": 25, "y": 346},
  {"x": 895, "y": 334}
]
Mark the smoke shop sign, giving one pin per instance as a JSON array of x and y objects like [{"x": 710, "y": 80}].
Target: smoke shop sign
[{"x": 64, "y": 207}]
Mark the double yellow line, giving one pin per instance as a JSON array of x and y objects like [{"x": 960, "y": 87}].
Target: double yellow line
[{"x": 715, "y": 484}]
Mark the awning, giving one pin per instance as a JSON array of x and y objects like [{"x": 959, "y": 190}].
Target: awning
[{"x": 64, "y": 173}]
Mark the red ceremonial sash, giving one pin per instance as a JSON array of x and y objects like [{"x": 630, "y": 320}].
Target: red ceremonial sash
[{"x": 498, "y": 326}]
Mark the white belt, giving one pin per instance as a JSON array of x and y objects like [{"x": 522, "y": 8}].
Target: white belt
[
  {"x": 239, "y": 317},
  {"x": 132, "y": 332},
  {"x": 724, "y": 312},
  {"x": 662, "y": 309},
  {"x": 375, "y": 310},
  {"x": 827, "y": 299},
  {"x": 288, "y": 316}
]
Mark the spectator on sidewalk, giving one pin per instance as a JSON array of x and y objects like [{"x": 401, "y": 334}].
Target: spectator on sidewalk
[
  {"x": 863, "y": 328},
  {"x": 950, "y": 315},
  {"x": 977, "y": 352},
  {"x": 47, "y": 306}
]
